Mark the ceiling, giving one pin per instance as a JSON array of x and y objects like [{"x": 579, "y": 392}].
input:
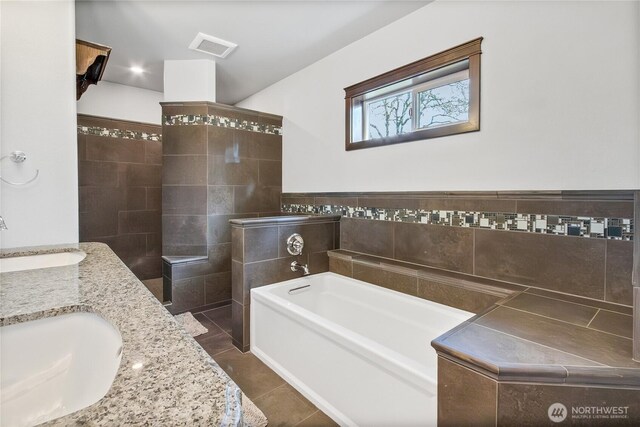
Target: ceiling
[{"x": 275, "y": 39}]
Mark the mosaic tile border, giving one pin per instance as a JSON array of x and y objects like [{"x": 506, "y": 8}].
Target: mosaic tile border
[
  {"x": 220, "y": 121},
  {"x": 559, "y": 225},
  {"x": 119, "y": 133}
]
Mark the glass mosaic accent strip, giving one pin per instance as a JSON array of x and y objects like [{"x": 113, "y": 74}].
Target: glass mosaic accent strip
[
  {"x": 560, "y": 225},
  {"x": 119, "y": 133},
  {"x": 220, "y": 121}
]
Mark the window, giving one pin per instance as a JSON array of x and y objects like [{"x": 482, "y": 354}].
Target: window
[{"x": 436, "y": 96}]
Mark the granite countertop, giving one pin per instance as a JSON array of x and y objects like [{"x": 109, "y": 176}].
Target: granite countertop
[
  {"x": 541, "y": 336},
  {"x": 179, "y": 384}
]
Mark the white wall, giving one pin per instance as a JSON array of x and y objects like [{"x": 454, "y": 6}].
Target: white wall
[
  {"x": 559, "y": 106},
  {"x": 116, "y": 101},
  {"x": 38, "y": 116},
  {"x": 190, "y": 80}
]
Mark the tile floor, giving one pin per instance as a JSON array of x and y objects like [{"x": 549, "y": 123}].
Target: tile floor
[
  {"x": 155, "y": 286},
  {"x": 280, "y": 402}
]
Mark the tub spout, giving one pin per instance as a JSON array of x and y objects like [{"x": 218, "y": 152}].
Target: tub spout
[{"x": 296, "y": 266}]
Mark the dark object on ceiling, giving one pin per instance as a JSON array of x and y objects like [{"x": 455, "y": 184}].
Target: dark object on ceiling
[{"x": 91, "y": 60}]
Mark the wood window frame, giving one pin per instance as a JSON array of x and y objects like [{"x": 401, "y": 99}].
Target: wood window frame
[{"x": 470, "y": 51}]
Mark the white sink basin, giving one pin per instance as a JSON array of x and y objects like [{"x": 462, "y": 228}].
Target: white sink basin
[
  {"x": 33, "y": 262},
  {"x": 54, "y": 366}
]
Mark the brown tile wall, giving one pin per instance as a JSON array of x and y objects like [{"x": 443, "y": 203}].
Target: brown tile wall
[
  {"x": 593, "y": 318},
  {"x": 452, "y": 289},
  {"x": 259, "y": 258},
  {"x": 528, "y": 404},
  {"x": 636, "y": 323},
  {"x": 636, "y": 282},
  {"x": 211, "y": 175},
  {"x": 466, "y": 397},
  {"x": 593, "y": 268},
  {"x": 120, "y": 194},
  {"x": 588, "y": 267},
  {"x": 614, "y": 204}
]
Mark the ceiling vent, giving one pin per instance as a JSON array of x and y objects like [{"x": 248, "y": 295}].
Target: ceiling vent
[{"x": 212, "y": 45}]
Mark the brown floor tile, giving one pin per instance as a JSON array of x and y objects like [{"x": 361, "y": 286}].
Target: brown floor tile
[
  {"x": 155, "y": 286},
  {"x": 500, "y": 348},
  {"x": 555, "y": 309},
  {"x": 298, "y": 394},
  {"x": 318, "y": 419},
  {"x": 212, "y": 328},
  {"x": 613, "y": 323},
  {"x": 221, "y": 316},
  {"x": 284, "y": 406},
  {"x": 281, "y": 403},
  {"x": 590, "y": 344},
  {"x": 252, "y": 376},
  {"x": 216, "y": 344}
]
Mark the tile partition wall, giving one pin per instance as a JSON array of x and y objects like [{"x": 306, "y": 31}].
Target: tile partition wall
[
  {"x": 219, "y": 163},
  {"x": 119, "y": 177},
  {"x": 593, "y": 263},
  {"x": 535, "y": 349},
  {"x": 466, "y": 397},
  {"x": 527, "y": 337},
  {"x": 260, "y": 258},
  {"x": 636, "y": 283}
]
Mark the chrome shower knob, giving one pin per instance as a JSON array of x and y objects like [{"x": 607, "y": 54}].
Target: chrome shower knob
[{"x": 295, "y": 243}]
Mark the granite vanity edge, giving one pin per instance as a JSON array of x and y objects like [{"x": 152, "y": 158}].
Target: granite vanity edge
[
  {"x": 285, "y": 219},
  {"x": 116, "y": 406},
  {"x": 42, "y": 314},
  {"x": 39, "y": 250}
]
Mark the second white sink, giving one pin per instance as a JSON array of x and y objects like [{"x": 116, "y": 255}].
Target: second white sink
[
  {"x": 33, "y": 262},
  {"x": 54, "y": 366}
]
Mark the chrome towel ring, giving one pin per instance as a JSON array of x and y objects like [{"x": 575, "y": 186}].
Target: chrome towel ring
[{"x": 18, "y": 157}]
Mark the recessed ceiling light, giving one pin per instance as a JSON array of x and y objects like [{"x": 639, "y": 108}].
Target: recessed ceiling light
[
  {"x": 136, "y": 70},
  {"x": 212, "y": 45}
]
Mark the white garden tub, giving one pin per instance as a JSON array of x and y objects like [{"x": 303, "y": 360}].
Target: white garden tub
[{"x": 360, "y": 352}]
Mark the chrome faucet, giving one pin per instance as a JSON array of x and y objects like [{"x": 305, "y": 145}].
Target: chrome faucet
[
  {"x": 3, "y": 226},
  {"x": 296, "y": 266}
]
